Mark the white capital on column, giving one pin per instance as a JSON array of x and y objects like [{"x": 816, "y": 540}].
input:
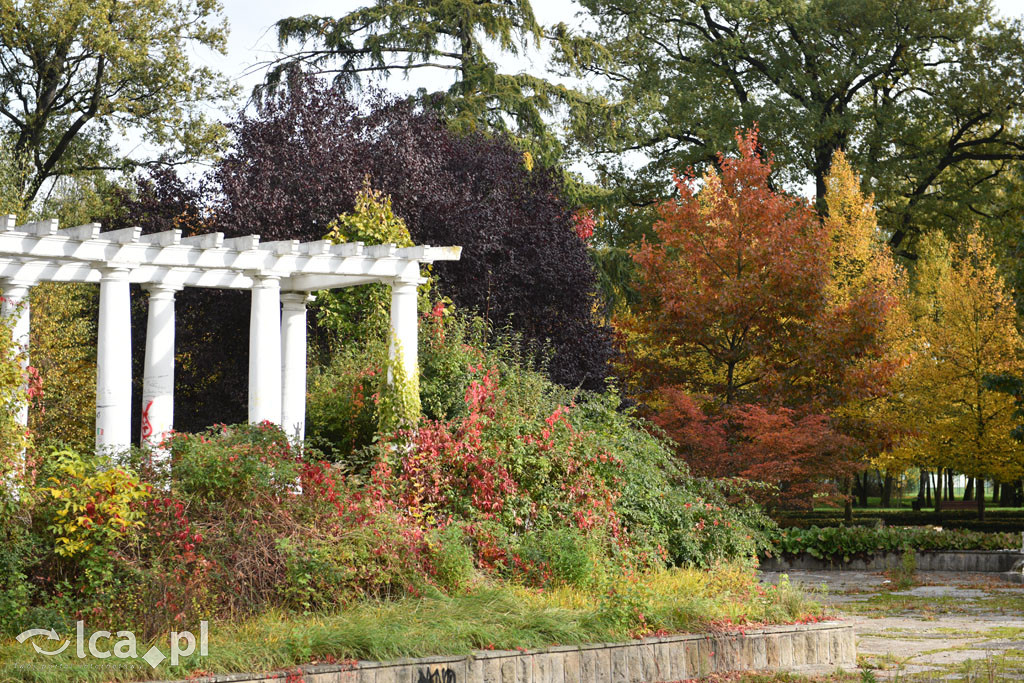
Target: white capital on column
[
  {"x": 293, "y": 364},
  {"x": 265, "y": 351},
  {"x": 158, "y": 375},
  {"x": 404, "y": 321},
  {"x": 15, "y": 304},
  {"x": 114, "y": 363}
]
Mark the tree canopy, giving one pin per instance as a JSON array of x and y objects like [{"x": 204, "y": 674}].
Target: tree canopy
[
  {"x": 462, "y": 38},
  {"x": 75, "y": 75},
  {"x": 757, "y": 321},
  {"x": 523, "y": 265},
  {"x": 967, "y": 332},
  {"x": 924, "y": 96}
]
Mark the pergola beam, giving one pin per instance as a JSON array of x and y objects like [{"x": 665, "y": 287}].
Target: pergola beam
[{"x": 165, "y": 262}]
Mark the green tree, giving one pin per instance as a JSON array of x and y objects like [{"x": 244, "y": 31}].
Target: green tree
[
  {"x": 456, "y": 36},
  {"x": 75, "y": 73},
  {"x": 924, "y": 96}
]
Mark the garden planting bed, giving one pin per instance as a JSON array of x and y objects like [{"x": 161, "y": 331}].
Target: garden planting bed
[{"x": 822, "y": 646}]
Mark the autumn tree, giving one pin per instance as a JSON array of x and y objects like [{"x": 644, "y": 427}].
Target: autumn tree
[
  {"x": 863, "y": 272},
  {"x": 743, "y": 322},
  {"x": 75, "y": 74},
  {"x": 967, "y": 332}
]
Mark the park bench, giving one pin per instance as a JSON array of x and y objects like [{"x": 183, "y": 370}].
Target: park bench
[{"x": 958, "y": 505}]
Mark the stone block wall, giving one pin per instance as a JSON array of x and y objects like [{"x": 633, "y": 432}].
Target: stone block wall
[{"x": 812, "y": 647}]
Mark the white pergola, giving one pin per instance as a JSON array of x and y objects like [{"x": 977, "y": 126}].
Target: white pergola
[{"x": 280, "y": 275}]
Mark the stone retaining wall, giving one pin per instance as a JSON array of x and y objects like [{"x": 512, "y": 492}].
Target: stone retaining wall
[
  {"x": 949, "y": 561},
  {"x": 813, "y": 647}
]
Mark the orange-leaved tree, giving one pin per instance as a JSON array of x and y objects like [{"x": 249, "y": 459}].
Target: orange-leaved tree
[{"x": 741, "y": 346}]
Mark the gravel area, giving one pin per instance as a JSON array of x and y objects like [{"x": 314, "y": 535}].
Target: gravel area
[{"x": 950, "y": 626}]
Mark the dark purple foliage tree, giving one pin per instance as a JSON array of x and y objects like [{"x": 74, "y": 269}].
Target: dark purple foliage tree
[{"x": 299, "y": 162}]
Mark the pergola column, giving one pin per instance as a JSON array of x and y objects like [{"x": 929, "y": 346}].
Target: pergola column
[
  {"x": 293, "y": 364},
  {"x": 114, "y": 363},
  {"x": 15, "y": 305},
  {"x": 404, "y": 322},
  {"x": 158, "y": 374},
  {"x": 265, "y": 351}
]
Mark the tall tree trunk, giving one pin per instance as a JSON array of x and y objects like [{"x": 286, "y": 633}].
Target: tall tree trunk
[
  {"x": 938, "y": 489},
  {"x": 950, "y": 493},
  {"x": 920, "y": 489},
  {"x": 1005, "y": 495},
  {"x": 864, "y": 491},
  {"x": 848, "y": 504},
  {"x": 969, "y": 489},
  {"x": 887, "y": 491},
  {"x": 979, "y": 486},
  {"x": 927, "y": 488}
]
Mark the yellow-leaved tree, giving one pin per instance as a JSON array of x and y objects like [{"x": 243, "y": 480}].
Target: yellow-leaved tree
[
  {"x": 966, "y": 322},
  {"x": 863, "y": 269}
]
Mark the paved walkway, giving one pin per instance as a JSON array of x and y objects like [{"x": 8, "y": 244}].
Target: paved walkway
[{"x": 950, "y": 626}]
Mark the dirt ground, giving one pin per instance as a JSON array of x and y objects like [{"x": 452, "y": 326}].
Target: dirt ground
[{"x": 946, "y": 626}]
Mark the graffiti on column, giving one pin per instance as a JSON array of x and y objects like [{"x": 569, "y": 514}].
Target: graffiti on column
[{"x": 147, "y": 427}]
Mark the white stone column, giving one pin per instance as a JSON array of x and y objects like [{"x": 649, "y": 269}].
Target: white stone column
[
  {"x": 293, "y": 364},
  {"x": 114, "y": 363},
  {"x": 265, "y": 351},
  {"x": 15, "y": 304},
  {"x": 158, "y": 373},
  {"x": 404, "y": 322}
]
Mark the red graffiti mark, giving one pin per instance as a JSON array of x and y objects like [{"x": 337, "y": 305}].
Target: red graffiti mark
[{"x": 147, "y": 428}]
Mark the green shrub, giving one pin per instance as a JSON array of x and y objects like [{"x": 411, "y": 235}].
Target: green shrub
[
  {"x": 88, "y": 506},
  {"x": 15, "y": 589},
  {"x": 996, "y": 520},
  {"x": 341, "y": 404},
  {"x": 686, "y": 520},
  {"x": 237, "y": 463},
  {"x": 451, "y": 557},
  {"x": 536, "y": 437},
  {"x": 847, "y": 542},
  {"x": 560, "y": 557}
]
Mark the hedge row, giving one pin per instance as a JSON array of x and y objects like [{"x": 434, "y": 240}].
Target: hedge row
[
  {"x": 996, "y": 521},
  {"x": 846, "y": 542}
]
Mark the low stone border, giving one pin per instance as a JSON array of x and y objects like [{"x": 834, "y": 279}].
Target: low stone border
[
  {"x": 946, "y": 561},
  {"x": 806, "y": 647}
]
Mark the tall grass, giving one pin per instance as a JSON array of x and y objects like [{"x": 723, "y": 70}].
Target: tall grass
[{"x": 484, "y": 617}]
